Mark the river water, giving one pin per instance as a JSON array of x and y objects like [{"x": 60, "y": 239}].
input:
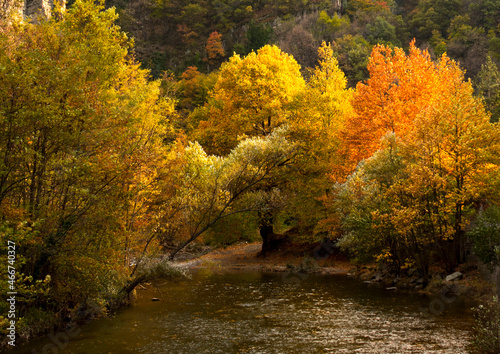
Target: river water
[{"x": 255, "y": 312}]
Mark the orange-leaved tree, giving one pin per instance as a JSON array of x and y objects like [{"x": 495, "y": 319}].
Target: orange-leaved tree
[
  {"x": 410, "y": 202},
  {"x": 400, "y": 85},
  {"x": 214, "y": 49}
]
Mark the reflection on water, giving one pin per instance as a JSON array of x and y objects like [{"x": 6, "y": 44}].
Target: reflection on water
[{"x": 252, "y": 312}]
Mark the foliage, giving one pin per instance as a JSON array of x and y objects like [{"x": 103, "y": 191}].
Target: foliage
[
  {"x": 488, "y": 85},
  {"x": 258, "y": 35},
  {"x": 382, "y": 32},
  {"x": 486, "y": 330},
  {"x": 414, "y": 198},
  {"x": 485, "y": 235},
  {"x": 214, "y": 48},
  {"x": 93, "y": 175},
  {"x": 81, "y": 132},
  {"x": 251, "y": 97},
  {"x": 353, "y": 53},
  {"x": 317, "y": 119},
  {"x": 398, "y": 87},
  {"x": 334, "y": 23},
  {"x": 234, "y": 228},
  {"x": 209, "y": 188}
]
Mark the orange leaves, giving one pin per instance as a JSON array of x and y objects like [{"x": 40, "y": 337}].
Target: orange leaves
[
  {"x": 440, "y": 160},
  {"x": 400, "y": 86},
  {"x": 214, "y": 47}
]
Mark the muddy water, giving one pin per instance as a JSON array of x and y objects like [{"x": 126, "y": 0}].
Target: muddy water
[{"x": 253, "y": 312}]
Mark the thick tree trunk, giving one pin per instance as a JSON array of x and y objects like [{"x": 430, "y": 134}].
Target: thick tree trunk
[
  {"x": 266, "y": 231},
  {"x": 271, "y": 241},
  {"x": 267, "y": 234}
]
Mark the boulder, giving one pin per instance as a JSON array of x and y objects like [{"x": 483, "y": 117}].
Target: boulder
[{"x": 454, "y": 276}]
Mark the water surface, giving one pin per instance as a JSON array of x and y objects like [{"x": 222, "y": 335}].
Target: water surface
[{"x": 254, "y": 312}]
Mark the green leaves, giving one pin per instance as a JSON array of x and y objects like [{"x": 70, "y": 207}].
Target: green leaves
[{"x": 80, "y": 134}]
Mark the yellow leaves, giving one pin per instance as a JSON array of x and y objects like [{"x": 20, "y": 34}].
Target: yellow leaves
[
  {"x": 252, "y": 96},
  {"x": 385, "y": 256}
]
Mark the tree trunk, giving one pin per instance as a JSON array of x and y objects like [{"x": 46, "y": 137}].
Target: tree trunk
[
  {"x": 267, "y": 234},
  {"x": 266, "y": 231}
]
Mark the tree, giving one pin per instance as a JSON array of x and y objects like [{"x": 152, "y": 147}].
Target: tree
[
  {"x": 252, "y": 96},
  {"x": 433, "y": 15},
  {"x": 214, "y": 49},
  {"x": 488, "y": 85},
  {"x": 467, "y": 45},
  {"x": 398, "y": 87},
  {"x": 210, "y": 188},
  {"x": 258, "y": 35},
  {"x": 382, "y": 32},
  {"x": 300, "y": 43},
  {"x": 81, "y": 130},
  {"x": 315, "y": 126},
  {"x": 414, "y": 198},
  {"x": 352, "y": 53},
  {"x": 265, "y": 92}
]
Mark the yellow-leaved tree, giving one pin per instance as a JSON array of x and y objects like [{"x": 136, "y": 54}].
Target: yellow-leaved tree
[
  {"x": 81, "y": 134},
  {"x": 252, "y": 96},
  {"x": 318, "y": 118},
  {"x": 399, "y": 87}
]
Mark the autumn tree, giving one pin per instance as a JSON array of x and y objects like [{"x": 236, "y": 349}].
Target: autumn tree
[
  {"x": 252, "y": 96},
  {"x": 214, "y": 49},
  {"x": 265, "y": 91},
  {"x": 318, "y": 119},
  {"x": 206, "y": 189},
  {"x": 398, "y": 87},
  {"x": 81, "y": 130},
  {"x": 414, "y": 198}
]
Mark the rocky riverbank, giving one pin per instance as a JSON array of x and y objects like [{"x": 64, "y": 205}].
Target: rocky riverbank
[{"x": 467, "y": 281}]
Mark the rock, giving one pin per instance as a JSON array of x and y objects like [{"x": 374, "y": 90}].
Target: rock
[
  {"x": 155, "y": 299},
  {"x": 454, "y": 276},
  {"x": 411, "y": 271}
]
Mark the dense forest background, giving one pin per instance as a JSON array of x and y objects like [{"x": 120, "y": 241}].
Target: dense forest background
[
  {"x": 130, "y": 130},
  {"x": 171, "y": 36}
]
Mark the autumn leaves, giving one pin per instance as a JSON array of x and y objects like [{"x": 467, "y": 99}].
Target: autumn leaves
[
  {"x": 96, "y": 165},
  {"x": 412, "y": 150},
  {"x": 429, "y": 157}
]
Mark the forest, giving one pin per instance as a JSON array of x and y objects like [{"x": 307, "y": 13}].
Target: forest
[{"x": 130, "y": 130}]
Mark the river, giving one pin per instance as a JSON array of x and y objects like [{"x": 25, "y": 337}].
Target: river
[{"x": 255, "y": 312}]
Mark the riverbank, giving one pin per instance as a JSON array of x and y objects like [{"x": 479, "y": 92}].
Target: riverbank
[
  {"x": 469, "y": 280},
  {"x": 246, "y": 257}
]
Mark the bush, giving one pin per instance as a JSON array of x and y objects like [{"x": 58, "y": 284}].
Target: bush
[
  {"x": 485, "y": 333},
  {"x": 485, "y": 235}
]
